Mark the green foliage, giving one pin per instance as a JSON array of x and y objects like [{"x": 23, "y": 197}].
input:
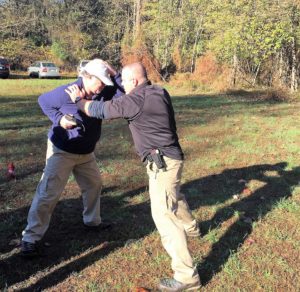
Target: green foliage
[
  {"x": 263, "y": 256},
  {"x": 170, "y": 26},
  {"x": 22, "y": 52},
  {"x": 259, "y": 39},
  {"x": 59, "y": 51}
]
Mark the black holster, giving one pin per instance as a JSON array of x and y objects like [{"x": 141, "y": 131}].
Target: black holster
[{"x": 157, "y": 157}]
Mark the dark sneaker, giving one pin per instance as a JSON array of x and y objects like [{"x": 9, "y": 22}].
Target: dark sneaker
[
  {"x": 29, "y": 249},
  {"x": 173, "y": 285},
  {"x": 102, "y": 226}
]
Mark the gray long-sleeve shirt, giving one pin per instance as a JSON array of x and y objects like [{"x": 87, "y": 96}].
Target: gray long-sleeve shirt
[{"x": 149, "y": 112}]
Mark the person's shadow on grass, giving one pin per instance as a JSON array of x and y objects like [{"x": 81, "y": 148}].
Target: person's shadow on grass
[
  {"x": 76, "y": 249},
  {"x": 274, "y": 184},
  {"x": 68, "y": 247}
]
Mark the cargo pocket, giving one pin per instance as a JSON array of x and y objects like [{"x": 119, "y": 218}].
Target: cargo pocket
[
  {"x": 172, "y": 202},
  {"x": 50, "y": 187}
]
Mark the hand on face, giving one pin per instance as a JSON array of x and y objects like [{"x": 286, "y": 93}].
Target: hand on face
[
  {"x": 74, "y": 91},
  {"x": 111, "y": 70}
]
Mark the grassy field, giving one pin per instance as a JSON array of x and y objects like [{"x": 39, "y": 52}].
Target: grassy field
[{"x": 241, "y": 179}]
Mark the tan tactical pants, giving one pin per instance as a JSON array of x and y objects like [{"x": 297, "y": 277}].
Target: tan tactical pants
[
  {"x": 59, "y": 165},
  {"x": 173, "y": 217}
]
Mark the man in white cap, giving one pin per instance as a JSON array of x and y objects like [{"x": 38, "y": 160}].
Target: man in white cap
[{"x": 71, "y": 143}]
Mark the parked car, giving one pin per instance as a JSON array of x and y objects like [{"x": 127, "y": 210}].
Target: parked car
[
  {"x": 81, "y": 65},
  {"x": 4, "y": 68},
  {"x": 43, "y": 69}
]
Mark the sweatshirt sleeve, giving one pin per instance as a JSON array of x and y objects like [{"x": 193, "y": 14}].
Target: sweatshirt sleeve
[
  {"x": 96, "y": 108},
  {"x": 117, "y": 80},
  {"x": 50, "y": 103}
]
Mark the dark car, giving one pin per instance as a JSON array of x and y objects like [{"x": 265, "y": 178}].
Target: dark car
[{"x": 4, "y": 68}]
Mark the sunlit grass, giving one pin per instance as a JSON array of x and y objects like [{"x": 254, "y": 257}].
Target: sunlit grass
[
  {"x": 22, "y": 88},
  {"x": 250, "y": 238}
]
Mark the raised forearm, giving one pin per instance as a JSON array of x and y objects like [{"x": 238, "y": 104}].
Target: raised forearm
[
  {"x": 83, "y": 105},
  {"x": 93, "y": 109}
]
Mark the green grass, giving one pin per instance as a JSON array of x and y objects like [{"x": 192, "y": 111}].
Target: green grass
[{"x": 241, "y": 179}]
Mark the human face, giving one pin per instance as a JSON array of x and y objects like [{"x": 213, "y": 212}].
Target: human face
[
  {"x": 128, "y": 82},
  {"x": 94, "y": 86}
]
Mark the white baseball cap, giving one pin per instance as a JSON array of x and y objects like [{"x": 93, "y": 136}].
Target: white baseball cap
[{"x": 98, "y": 69}]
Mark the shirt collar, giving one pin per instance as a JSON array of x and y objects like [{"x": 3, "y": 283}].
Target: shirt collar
[{"x": 144, "y": 84}]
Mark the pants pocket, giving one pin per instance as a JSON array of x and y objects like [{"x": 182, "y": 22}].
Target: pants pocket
[
  {"x": 50, "y": 187},
  {"x": 172, "y": 202}
]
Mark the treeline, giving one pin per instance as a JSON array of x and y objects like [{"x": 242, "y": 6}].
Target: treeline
[{"x": 241, "y": 41}]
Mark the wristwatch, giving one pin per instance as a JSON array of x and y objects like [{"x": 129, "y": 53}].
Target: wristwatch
[{"x": 77, "y": 99}]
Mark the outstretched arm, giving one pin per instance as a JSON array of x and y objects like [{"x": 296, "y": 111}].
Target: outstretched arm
[
  {"x": 126, "y": 106},
  {"x": 90, "y": 108}
]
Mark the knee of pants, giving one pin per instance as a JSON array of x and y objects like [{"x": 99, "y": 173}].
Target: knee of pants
[
  {"x": 98, "y": 184},
  {"x": 165, "y": 219},
  {"x": 95, "y": 183}
]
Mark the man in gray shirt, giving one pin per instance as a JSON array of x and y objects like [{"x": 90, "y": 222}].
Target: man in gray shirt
[{"x": 149, "y": 112}]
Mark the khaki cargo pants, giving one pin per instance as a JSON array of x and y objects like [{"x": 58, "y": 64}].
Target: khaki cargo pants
[
  {"x": 59, "y": 165},
  {"x": 173, "y": 217}
]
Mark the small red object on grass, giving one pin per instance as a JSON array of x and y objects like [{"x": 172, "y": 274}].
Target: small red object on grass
[
  {"x": 250, "y": 241},
  {"x": 141, "y": 289},
  {"x": 11, "y": 174},
  {"x": 246, "y": 192}
]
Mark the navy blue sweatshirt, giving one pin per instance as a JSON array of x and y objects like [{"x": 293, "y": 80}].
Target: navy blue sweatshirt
[{"x": 78, "y": 140}]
